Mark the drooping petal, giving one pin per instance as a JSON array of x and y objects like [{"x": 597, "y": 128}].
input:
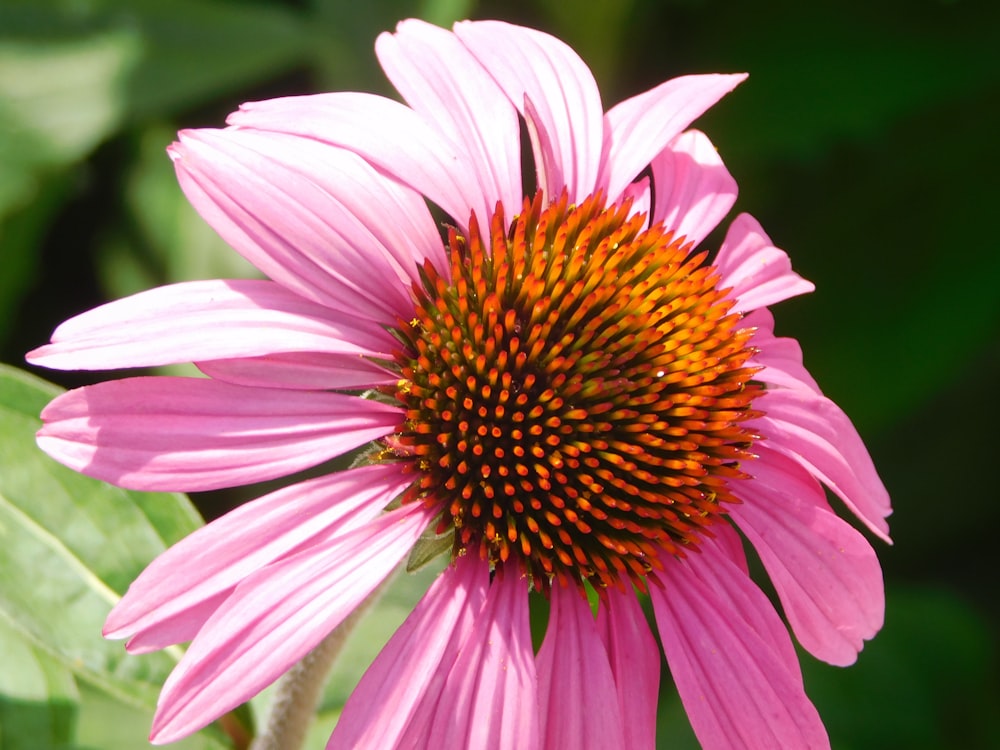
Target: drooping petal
[
  {"x": 567, "y": 105},
  {"x": 577, "y": 694},
  {"x": 639, "y": 128},
  {"x": 310, "y": 371},
  {"x": 186, "y": 434},
  {"x": 780, "y": 356},
  {"x": 635, "y": 665},
  {"x": 205, "y": 319},
  {"x": 694, "y": 190},
  {"x": 759, "y": 273},
  {"x": 489, "y": 699},
  {"x": 826, "y": 575},
  {"x": 244, "y": 647},
  {"x": 737, "y": 691},
  {"x": 721, "y": 565},
  {"x": 815, "y": 432},
  {"x": 309, "y": 216},
  {"x": 412, "y": 668},
  {"x": 387, "y": 134},
  {"x": 442, "y": 81},
  {"x": 162, "y": 604}
]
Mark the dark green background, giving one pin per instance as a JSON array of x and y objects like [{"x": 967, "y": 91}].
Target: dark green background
[{"x": 865, "y": 140}]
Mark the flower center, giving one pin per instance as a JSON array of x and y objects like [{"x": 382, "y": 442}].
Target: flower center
[{"x": 574, "y": 396}]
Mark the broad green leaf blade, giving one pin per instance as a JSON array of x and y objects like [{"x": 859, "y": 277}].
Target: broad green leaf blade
[
  {"x": 69, "y": 545},
  {"x": 106, "y": 724},
  {"x": 38, "y": 696}
]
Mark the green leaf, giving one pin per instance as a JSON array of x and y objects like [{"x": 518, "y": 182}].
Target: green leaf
[
  {"x": 105, "y": 723},
  {"x": 429, "y": 547},
  {"x": 38, "y": 696},
  {"x": 69, "y": 545}
]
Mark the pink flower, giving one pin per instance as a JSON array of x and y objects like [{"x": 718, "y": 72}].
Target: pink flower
[{"x": 565, "y": 385}]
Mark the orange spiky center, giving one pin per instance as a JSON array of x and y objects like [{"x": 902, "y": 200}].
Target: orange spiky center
[{"x": 574, "y": 396}]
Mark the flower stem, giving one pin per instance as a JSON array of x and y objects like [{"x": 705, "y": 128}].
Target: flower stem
[{"x": 298, "y": 692}]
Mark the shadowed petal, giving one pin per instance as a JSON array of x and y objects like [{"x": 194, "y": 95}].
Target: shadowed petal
[
  {"x": 567, "y": 105},
  {"x": 185, "y": 434},
  {"x": 489, "y": 699},
  {"x": 639, "y": 128},
  {"x": 409, "y": 673},
  {"x": 310, "y": 371},
  {"x": 759, "y": 273},
  {"x": 826, "y": 574},
  {"x": 216, "y": 557},
  {"x": 815, "y": 432},
  {"x": 442, "y": 81},
  {"x": 309, "y": 216},
  {"x": 244, "y": 647},
  {"x": 577, "y": 695},
  {"x": 387, "y": 134},
  {"x": 635, "y": 664},
  {"x": 205, "y": 319},
  {"x": 694, "y": 190},
  {"x": 736, "y": 690}
]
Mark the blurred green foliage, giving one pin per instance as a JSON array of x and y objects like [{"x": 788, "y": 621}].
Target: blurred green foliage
[{"x": 864, "y": 140}]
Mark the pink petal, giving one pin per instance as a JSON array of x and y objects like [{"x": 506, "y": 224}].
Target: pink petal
[
  {"x": 414, "y": 664},
  {"x": 548, "y": 171},
  {"x": 178, "y": 628},
  {"x": 727, "y": 542},
  {"x": 826, "y": 574},
  {"x": 577, "y": 695},
  {"x": 737, "y": 691},
  {"x": 310, "y": 216},
  {"x": 781, "y": 357},
  {"x": 205, "y": 319},
  {"x": 315, "y": 371},
  {"x": 165, "y": 433},
  {"x": 443, "y": 82},
  {"x": 276, "y": 616},
  {"x": 387, "y": 134},
  {"x": 721, "y": 565},
  {"x": 639, "y": 128},
  {"x": 567, "y": 105},
  {"x": 694, "y": 190},
  {"x": 635, "y": 664},
  {"x": 759, "y": 273},
  {"x": 640, "y": 193},
  {"x": 489, "y": 699},
  {"x": 814, "y": 431},
  {"x": 216, "y": 557}
]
